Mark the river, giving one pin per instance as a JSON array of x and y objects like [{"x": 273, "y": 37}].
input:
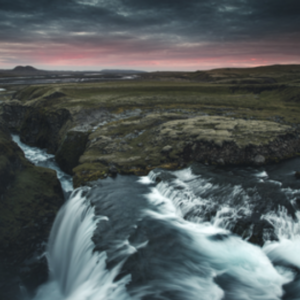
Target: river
[
  {"x": 84, "y": 78},
  {"x": 176, "y": 235}
]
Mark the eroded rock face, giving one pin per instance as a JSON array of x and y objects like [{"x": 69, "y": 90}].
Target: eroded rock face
[
  {"x": 42, "y": 128},
  {"x": 13, "y": 114},
  {"x": 172, "y": 141},
  {"x": 90, "y": 142},
  {"x": 71, "y": 149},
  {"x": 30, "y": 197},
  {"x": 38, "y": 126}
]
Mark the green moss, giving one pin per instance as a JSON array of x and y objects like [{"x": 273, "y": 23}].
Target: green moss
[
  {"x": 32, "y": 92},
  {"x": 33, "y": 194},
  {"x": 89, "y": 172}
]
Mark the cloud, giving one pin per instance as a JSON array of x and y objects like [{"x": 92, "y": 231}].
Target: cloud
[{"x": 178, "y": 29}]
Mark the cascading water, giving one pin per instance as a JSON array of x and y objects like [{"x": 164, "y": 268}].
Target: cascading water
[
  {"x": 242, "y": 270},
  {"x": 178, "y": 235},
  {"x": 75, "y": 271},
  {"x": 40, "y": 157}
]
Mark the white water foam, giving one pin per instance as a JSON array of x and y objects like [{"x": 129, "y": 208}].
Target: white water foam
[
  {"x": 248, "y": 266},
  {"x": 76, "y": 273},
  {"x": 285, "y": 252},
  {"x": 186, "y": 202},
  {"x": 262, "y": 174},
  {"x": 40, "y": 157}
]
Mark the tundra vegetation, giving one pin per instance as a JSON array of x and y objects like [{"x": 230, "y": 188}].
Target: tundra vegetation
[
  {"x": 162, "y": 119},
  {"x": 158, "y": 120}
]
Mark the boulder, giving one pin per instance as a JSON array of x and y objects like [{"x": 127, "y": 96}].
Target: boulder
[
  {"x": 297, "y": 174},
  {"x": 167, "y": 149},
  {"x": 259, "y": 159}
]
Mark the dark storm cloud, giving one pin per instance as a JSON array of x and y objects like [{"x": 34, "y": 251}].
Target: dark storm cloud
[
  {"x": 179, "y": 20},
  {"x": 158, "y": 29}
]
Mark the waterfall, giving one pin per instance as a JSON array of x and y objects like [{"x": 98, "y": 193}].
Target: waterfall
[
  {"x": 76, "y": 272},
  {"x": 176, "y": 235}
]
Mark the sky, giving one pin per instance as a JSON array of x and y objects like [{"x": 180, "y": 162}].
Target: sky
[{"x": 150, "y": 35}]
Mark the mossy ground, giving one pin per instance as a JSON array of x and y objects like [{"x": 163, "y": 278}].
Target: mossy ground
[
  {"x": 30, "y": 197},
  {"x": 256, "y": 101},
  {"x": 266, "y": 94},
  {"x": 137, "y": 145}
]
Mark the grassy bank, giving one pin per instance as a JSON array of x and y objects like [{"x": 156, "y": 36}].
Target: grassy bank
[{"x": 263, "y": 101}]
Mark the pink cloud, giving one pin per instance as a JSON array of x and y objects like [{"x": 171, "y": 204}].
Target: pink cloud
[{"x": 143, "y": 55}]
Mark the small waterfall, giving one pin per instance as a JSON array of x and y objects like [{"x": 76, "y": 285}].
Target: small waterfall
[
  {"x": 41, "y": 158},
  {"x": 75, "y": 271}
]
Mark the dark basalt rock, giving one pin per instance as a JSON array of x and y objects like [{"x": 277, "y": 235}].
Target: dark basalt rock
[
  {"x": 297, "y": 174},
  {"x": 113, "y": 171},
  {"x": 71, "y": 149},
  {"x": 34, "y": 273},
  {"x": 30, "y": 196},
  {"x": 42, "y": 128},
  {"x": 37, "y": 126},
  {"x": 13, "y": 114}
]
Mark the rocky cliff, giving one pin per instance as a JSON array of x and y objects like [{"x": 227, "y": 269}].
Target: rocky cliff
[{"x": 30, "y": 197}]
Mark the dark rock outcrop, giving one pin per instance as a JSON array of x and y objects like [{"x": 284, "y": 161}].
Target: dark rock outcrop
[
  {"x": 171, "y": 141},
  {"x": 30, "y": 196},
  {"x": 13, "y": 114},
  {"x": 297, "y": 175},
  {"x": 37, "y": 126},
  {"x": 71, "y": 149},
  {"x": 41, "y": 128}
]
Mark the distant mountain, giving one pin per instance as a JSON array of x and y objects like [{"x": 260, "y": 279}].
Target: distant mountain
[
  {"x": 23, "y": 71},
  {"x": 116, "y": 71},
  {"x": 26, "y": 69}
]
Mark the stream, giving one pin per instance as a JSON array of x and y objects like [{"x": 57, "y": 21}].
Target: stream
[{"x": 176, "y": 235}]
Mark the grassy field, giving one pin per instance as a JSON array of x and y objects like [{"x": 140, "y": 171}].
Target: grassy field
[
  {"x": 128, "y": 123},
  {"x": 259, "y": 101}
]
